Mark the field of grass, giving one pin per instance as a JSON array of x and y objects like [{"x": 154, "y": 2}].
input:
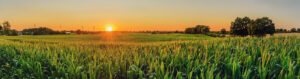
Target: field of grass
[{"x": 142, "y": 55}]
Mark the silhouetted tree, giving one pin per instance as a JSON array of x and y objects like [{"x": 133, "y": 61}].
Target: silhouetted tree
[
  {"x": 268, "y": 25},
  {"x": 261, "y": 27},
  {"x": 190, "y": 30},
  {"x": 255, "y": 28},
  {"x": 239, "y": 26},
  {"x": 0, "y": 27},
  {"x": 6, "y": 27},
  {"x": 223, "y": 31},
  {"x": 298, "y": 30},
  {"x": 201, "y": 29},
  {"x": 279, "y": 31},
  {"x": 285, "y": 31},
  {"x": 293, "y": 30},
  {"x": 1, "y": 30}
]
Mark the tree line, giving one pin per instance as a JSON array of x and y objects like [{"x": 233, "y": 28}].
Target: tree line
[
  {"x": 41, "y": 31},
  {"x": 244, "y": 27},
  {"x": 199, "y": 29},
  {"x": 293, "y": 30}
]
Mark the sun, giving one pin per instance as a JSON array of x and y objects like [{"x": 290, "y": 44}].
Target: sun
[{"x": 109, "y": 28}]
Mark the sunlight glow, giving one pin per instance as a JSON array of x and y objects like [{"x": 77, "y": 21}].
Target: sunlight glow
[{"x": 109, "y": 28}]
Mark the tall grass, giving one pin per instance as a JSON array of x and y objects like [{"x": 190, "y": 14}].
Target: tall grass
[{"x": 231, "y": 58}]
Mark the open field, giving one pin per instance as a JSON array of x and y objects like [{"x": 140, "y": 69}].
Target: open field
[
  {"x": 287, "y": 34},
  {"x": 142, "y": 55}
]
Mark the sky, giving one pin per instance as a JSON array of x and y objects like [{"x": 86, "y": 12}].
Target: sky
[{"x": 143, "y": 15}]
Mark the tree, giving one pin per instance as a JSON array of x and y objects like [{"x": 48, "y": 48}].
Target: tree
[
  {"x": 223, "y": 31},
  {"x": 190, "y": 30},
  {"x": 268, "y": 25},
  {"x": 256, "y": 28},
  {"x": 279, "y": 30},
  {"x": 261, "y": 27},
  {"x": 285, "y": 31},
  {"x": 0, "y": 27},
  {"x": 6, "y": 27},
  {"x": 201, "y": 29},
  {"x": 239, "y": 26},
  {"x": 293, "y": 30},
  {"x": 1, "y": 30},
  {"x": 298, "y": 30}
]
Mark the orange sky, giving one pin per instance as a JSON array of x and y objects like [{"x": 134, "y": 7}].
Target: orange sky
[{"x": 142, "y": 15}]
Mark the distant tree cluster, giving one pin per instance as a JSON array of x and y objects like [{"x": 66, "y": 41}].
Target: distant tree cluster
[
  {"x": 223, "y": 31},
  {"x": 5, "y": 29},
  {"x": 281, "y": 31},
  {"x": 199, "y": 29},
  {"x": 40, "y": 31},
  {"x": 259, "y": 27},
  {"x": 203, "y": 29},
  {"x": 293, "y": 30}
]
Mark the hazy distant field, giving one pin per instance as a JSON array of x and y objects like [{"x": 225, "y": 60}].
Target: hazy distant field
[
  {"x": 110, "y": 37},
  {"x": 287, "y": 34},
  {"x": 143, "y": 55}
]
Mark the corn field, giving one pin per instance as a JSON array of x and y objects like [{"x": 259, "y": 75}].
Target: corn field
[{"x": 184, "y": 58}]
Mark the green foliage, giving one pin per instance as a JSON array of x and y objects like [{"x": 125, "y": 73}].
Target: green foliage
[{"x": 88, "y": 56}]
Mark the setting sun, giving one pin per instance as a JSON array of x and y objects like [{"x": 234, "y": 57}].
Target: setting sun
[{"x": 109, "y": 28}]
